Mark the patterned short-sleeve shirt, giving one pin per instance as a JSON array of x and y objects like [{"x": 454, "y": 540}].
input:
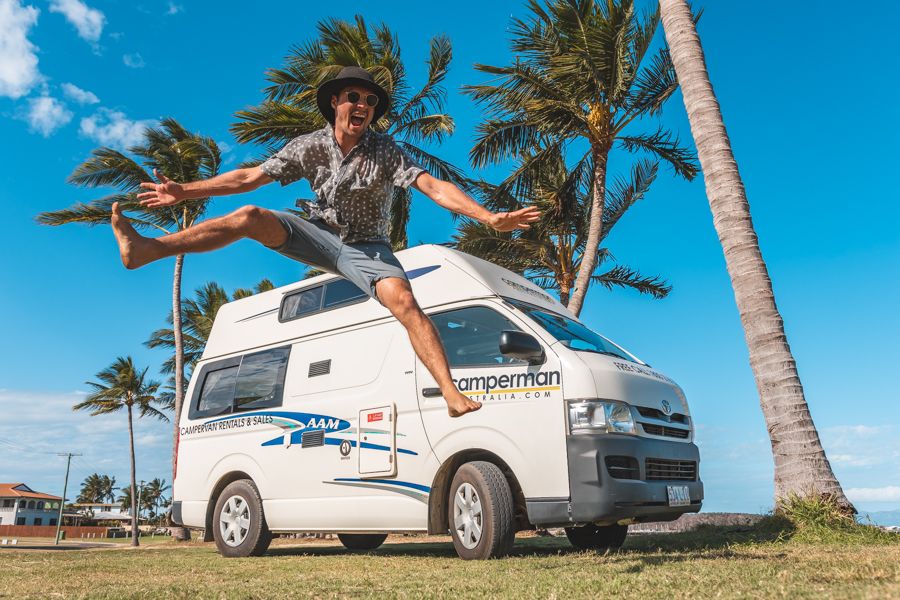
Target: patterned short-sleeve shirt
[{"x": 353, "y": 192}]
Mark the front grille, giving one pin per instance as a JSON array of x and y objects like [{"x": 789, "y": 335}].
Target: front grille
[
  {"x": 623, "y": 467},
  {"x": 675, "y": 432},
  {"x": 310, "y": 439},
  {"x": 661, "y": 469},
  {"x": 652, "y": 413}
]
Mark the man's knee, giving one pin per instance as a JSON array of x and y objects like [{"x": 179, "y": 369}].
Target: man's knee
[
  {"x": 398, "y": 298},
  {"x": 259, "y": 224}
]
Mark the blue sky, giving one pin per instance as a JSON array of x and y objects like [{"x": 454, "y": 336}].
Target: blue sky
[{"x": 808, "y": 94}]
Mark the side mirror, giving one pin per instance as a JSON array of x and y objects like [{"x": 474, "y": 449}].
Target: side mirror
[{"x": 519, "y": 344}]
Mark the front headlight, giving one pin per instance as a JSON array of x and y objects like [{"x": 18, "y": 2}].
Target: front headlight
[{"x": 600, "y": 416}]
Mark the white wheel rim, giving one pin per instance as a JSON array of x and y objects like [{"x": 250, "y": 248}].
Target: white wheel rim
[
  {"x": 467, "y": 516},
  {"x": 234, "y": 521}
]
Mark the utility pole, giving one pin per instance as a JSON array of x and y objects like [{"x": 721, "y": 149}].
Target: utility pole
[{"x": 59, "y": 517}]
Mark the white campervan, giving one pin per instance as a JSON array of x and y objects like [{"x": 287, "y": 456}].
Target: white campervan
[{"x": 309, "y": 412}]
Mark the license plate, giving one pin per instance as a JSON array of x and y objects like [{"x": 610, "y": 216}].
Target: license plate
[{"x": 679, "y": 495}]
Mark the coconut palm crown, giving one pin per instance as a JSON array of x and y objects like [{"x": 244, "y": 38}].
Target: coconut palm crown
[
  {"x": 415, "y": 118},
  {"x": 583, "y": 73},
  {"x": 550, "y": 252}
]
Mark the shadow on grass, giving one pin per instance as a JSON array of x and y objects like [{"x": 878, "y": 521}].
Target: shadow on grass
[{"x": 672, "y": 547}]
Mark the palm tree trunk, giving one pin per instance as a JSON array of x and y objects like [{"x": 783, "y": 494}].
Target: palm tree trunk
[
  {"x": 589, "y": 258},
  {"x": 178, "y": 533},
  {"x": 801, "y": 466},
  {"x": 134, "y": 520}
]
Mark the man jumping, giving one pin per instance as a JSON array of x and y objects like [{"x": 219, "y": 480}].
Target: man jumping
[{"x": 352, "y": 171}]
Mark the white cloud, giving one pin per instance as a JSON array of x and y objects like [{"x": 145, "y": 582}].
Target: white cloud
[
  {"x": 45, "y": 425},
  {"x": 87, "y": 21},
  {"x": 890, "y": 493},
  {"x": 46, "y": 114},
  {"x": 79, "y": 95},
  {"x": 135, "y": 60},
  {"x": 18, "y": 56},
  {"x": 113, "y": 128},
  {"x": 174, "y": 9}
]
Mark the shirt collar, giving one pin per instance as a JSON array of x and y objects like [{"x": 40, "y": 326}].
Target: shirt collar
[{"x": 364, "y": 141}]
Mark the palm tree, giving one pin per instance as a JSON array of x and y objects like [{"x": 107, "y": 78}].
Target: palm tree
[
  {"x": 154, "y": 494},
  {"x": 175, "y": 153},
  {"x": 107, "y": 488},
  {"x": 91, "y": 489},
  {"x": 123, "y": 387},
  {"x": 550, "y": 252},
  {"x": 198, "y": 314},
  {"x": 413, "y": 119},
  {"x": 801, "y": 467},
  {"x": 581, "y": 76}
]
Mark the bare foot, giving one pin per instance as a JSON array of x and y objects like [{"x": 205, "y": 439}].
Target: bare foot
[
  {"x": 132, "y": 245},
  {"x": 458, "y": 404}
]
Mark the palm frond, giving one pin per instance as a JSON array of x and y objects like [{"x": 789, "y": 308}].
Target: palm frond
[
  {"x": 109, "y": 167},
  {"x": 664, "y": 145},
  {"x": 626, "y": 277}
]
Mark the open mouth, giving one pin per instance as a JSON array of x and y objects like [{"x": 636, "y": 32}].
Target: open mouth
[{"x": 357, "y": 120}]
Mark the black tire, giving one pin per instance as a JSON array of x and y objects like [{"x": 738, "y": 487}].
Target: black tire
[
  {"x": 362, "y": 541},
  {"x": 596, "y": 537},
  {"x": 486, "y": 484},
  {"x": 250, "y": 535}
]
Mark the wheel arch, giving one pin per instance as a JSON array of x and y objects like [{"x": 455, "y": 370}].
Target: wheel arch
[{"x": 438, "y": 520}]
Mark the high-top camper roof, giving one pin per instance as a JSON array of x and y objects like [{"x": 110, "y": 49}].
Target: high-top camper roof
[{"x": 438, "y": 276}]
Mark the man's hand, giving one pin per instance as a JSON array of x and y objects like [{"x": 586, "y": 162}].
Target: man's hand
[
  {"x": 164, "y": 193},
  {"x": 518, "y": 219}
]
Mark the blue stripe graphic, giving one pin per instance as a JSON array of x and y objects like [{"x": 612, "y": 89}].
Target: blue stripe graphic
[{"x": 407, "y": 484}]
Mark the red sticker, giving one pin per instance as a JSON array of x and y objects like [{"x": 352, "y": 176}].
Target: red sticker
[{"x": 375, "y": 417}]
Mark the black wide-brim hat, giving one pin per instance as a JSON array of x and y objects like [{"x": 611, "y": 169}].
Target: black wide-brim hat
[{"x": 347, "y": 77}]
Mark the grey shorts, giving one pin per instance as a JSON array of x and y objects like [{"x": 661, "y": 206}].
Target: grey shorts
[{"x": 316, "y": 244}]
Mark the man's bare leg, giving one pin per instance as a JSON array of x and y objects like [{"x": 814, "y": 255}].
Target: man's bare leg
[
  {"x": 246, "y": 222},
  {"x": 396, "y": 295}
]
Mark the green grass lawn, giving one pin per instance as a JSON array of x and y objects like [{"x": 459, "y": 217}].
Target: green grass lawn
[{"x": 720, "y": 562}]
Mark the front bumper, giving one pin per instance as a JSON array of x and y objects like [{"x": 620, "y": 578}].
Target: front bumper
[{"x": 596, "y": 497}]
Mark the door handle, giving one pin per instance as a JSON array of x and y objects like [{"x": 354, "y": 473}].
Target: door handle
[{"x": 431, "y": 392}]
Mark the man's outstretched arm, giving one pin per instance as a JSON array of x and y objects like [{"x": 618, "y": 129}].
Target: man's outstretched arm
[
  {"x": 454, "y": 199},
  {"x": 168, "y": 192}
]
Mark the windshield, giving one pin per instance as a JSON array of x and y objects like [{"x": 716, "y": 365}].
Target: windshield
[{"x": 571, "y": 333}]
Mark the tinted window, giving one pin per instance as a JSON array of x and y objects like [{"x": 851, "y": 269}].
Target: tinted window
[
  {"x": 241, "y": 383},
  {"x": 341, "y": 292},
  {"x": 217, "y": 392},
  {"x": 471, "y": 337},
  {"x": 302, "y": 303},
  {"x": 260, "y": 379}
]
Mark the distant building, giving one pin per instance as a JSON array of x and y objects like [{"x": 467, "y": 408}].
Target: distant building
[
  {"x": 102, "y": 511},
  {"x": 21, "y": 505}
]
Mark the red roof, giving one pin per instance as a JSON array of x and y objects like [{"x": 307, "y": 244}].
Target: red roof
[{"x": 20, "y": 490}]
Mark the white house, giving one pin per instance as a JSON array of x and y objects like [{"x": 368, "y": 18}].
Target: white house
[
  {"x": 21, "y": 505},
  {"x": 103, "y": 511}
]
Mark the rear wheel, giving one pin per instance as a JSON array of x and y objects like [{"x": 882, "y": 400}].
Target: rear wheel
[
  {"x": 239, "y": 525},
  {"x": 362, "y": 541},
  {"x": 481, "y": 512},
  {"x": 597, "y": 537}
]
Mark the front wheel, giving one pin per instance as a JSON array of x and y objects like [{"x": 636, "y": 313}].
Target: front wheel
[
  {"x": 481, "y": 512},
  {"x": 362, "y": 541},
  {"x": 239, "y": 525},
  {"x": 596, "y": 537}
]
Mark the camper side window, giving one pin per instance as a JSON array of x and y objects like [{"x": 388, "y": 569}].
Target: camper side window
[
  {"x": 338, "y": 292},
  {"x": 217, "y": 392},
  {"x": 471, "y": 337},
  {"x": 241, "y": 383}
]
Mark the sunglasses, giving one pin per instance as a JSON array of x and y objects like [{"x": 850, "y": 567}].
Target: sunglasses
[{"x": 371, "y": 99}]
